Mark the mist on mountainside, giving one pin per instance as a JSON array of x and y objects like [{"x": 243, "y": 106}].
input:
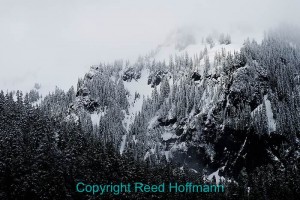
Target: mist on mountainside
[{"x": 56, "y": 49}]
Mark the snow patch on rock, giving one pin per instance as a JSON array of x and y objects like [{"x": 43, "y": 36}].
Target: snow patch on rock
[
  {"x": 216, "y": 176},
  {"x": 270, "y": 116},
  {"x": 123, "y": 144},
  {"x": 95, "y": 117}
]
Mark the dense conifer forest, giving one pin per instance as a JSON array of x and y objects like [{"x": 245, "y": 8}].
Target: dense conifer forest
[{"x": 233, "y": 114}]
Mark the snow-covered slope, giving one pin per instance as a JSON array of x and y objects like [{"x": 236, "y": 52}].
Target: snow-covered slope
[
  {"x": 211, "y": 106},
  {"x": 137, "y": 91}
]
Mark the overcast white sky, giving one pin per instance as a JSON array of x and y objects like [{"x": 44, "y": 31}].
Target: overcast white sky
[{"x": 55, "y": 41}]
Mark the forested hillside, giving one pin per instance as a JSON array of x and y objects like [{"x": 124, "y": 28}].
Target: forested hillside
[{"x": 219, "y": 116}]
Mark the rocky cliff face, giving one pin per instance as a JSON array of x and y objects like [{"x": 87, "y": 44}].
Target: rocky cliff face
[{"x": 219, "y": 111}]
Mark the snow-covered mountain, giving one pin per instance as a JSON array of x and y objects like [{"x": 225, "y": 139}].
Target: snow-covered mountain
[{"x": 213, "y": 106}]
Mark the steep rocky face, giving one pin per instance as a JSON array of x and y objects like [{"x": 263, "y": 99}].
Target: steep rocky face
[
  {"x": 130, "y": 74},
  {"x": 222, "y": 113},
  {"x": 196, "y": 76},
  {"x": 235, "y": 119},
  {"x": 156, "y": 77}
]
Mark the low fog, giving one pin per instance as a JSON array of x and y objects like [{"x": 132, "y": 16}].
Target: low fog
[{"x": 53, "y": 42}]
